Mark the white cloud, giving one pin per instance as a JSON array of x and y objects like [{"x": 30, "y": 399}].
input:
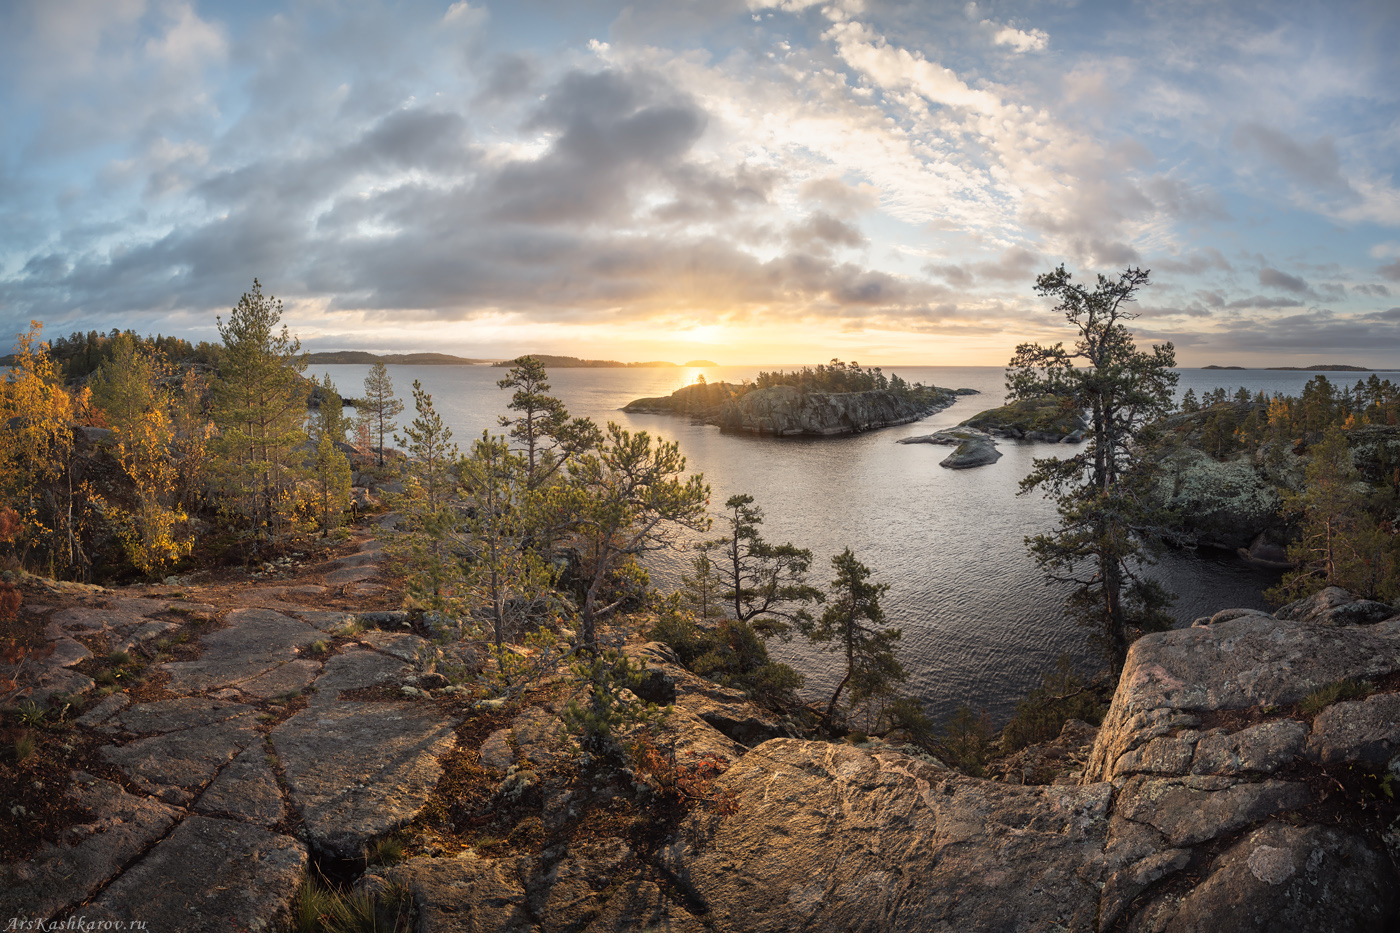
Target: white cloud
[{"x": 1035, "y": 40}]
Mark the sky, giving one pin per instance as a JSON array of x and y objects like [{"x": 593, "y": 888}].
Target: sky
[{"x": 746, "y": 181}]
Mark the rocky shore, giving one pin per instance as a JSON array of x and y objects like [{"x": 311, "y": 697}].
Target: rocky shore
[{"x": 1243, "y": 774}]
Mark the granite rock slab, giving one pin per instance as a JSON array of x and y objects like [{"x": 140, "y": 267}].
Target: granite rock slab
[
  {"x": 245, "y": 790},
  {"x": 356, "y": 770},
  {"x": 90, "y": 854},
  {"x": 255, "y": 642},
  {"x": 834, "y": 838},
  {"x": 176, "y": 765},
  {"x": 208, "y": 876}
]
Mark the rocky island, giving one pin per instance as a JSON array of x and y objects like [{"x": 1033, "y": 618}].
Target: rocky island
[{"x": 819, "y": 406}]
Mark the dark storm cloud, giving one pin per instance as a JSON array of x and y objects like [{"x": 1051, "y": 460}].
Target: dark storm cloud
[{"x": 613, "y": 133}]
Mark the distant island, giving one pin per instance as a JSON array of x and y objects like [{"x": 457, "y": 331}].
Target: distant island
[
  {"x": 702, "y": 363},
  {"x": 1318, "y": 368},
  {"x": 573, "y": 362},
  {"x": 407, "y": 359}
]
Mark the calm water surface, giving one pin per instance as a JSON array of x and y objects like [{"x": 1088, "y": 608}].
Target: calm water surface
[{"x": 980, "y": 625}]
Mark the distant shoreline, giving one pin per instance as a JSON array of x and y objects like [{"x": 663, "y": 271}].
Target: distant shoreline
[{"x": 336, "y": 357}]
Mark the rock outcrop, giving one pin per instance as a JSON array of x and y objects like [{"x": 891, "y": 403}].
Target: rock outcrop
[
  {"x": 1036, "y": 419},
  {"x": 1207, "y": 800},
  {"x": 972, "y": 448},
  {"x": 790, "y": 411}
]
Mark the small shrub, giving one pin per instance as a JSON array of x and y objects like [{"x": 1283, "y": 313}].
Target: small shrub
[
  {"x": 732, "y": 654},
  {"x": 318, "y": 647},
  {"x": 1063, "y": 695},
  {"x": 1323, "y": 697},
  {"x": 354, "y": 627},
  {"x": 119, "y": 658},
  {"x": 30, "y": 713}
]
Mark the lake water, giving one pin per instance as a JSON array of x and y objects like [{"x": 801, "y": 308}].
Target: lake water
[{"x": 980, "y": 625}]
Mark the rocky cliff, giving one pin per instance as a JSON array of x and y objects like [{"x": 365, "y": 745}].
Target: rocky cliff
[
  {"x": 1223, "y": 791},
  {"x": 1216, "y": 797},
  {"x": 789, "y": 411}
]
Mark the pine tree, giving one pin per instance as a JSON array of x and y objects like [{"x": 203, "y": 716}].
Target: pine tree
[
  {"x": 331, "y": 474},
  {"x": 548, "y": 436},
  {"x": 329, "y": 416},
  {"x": 259, "y": 409},
  {"x": 854, "y": 625},
  {"x": 764, "y": 583},
  {"x": 623, "y": 500},
  {"x": 1100, "y": 492},
  {"x": 379, "y": 407},
  {"x": 508, "y": 579}
]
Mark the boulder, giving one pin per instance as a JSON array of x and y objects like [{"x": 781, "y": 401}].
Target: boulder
[
  {"x": 1303, "y": 879},
  {"x": 1334, "y": 606},
  {"x": 974, "y": 448},
  {"x": 1224, "y": 505},
  {"x": 1249, "y": 661}
]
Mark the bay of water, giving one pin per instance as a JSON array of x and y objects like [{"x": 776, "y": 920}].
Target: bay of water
[{"x": 980, "y": 624}]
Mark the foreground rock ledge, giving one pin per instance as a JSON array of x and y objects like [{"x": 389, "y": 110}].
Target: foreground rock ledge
[{"x": 830, "y": 837}]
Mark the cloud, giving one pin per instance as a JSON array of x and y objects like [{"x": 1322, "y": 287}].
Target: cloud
[
  {"x": 1016, "y": 265},
  {"x": 1314, "y": 165},
  {"x": 1193, "y": 263},
  {"x": 1019, "y": 41},
  {"x": 1273, "y": 278},
  {"x": 841, "y": 199},
  {"x": 1390, "y": 270},
  {"x": 1184, "y": 201},
  {"x": 1264, "y": 302},
  {"x": 1371, "y": 290}
]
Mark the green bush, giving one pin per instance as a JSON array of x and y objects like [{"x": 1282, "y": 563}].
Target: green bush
[
  {"x": 1063, "y": 695},
  {"x": 732, "y": 654}
]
